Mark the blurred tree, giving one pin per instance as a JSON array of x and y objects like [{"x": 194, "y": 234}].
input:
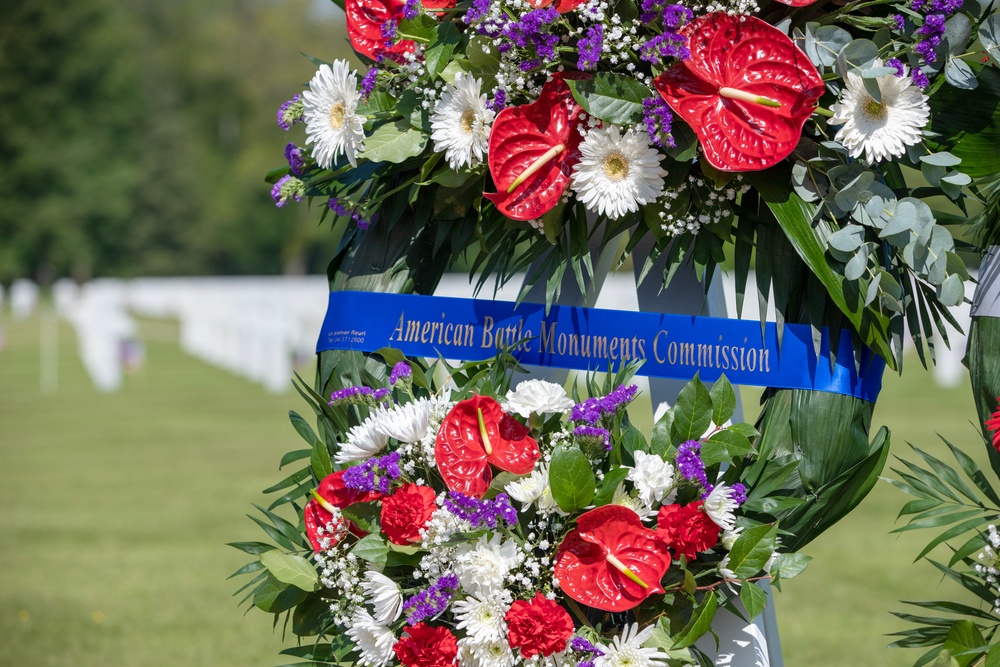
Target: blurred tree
[{"x": 134, "y": 136}]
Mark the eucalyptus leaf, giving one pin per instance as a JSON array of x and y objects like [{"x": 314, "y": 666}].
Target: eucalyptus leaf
[
  {"x": 848, "y": 239},
  {"x": 943, "y": 159},
  {"x": 856, "y": 56},
  {"x": 958, "y": 73},
  {"x": 824, "y": 43},
  {"x": 856, "y": 267},
  {"x": 989, "y": 37}
]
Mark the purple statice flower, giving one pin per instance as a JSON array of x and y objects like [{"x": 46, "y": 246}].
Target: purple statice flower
[
  {"x": 946, "y": 7},
  {"x": 919, "y": 79},
  {"x": 479, "y": 10},
  {"x": 593, "y": 409},
  {"x": 375, "y": 474},
  {"x": 400, "y": 371},
  {"x": 368, "y": 83},
  {"x": 338, "y": 207},
  {"x": 499, "y": 100},
  {"x": 588, "y": 651},
  {"x": 362, "y": 222},
  {"x": 594, "y": 435},
  {"x": 431, "y": 601},
  {"x": 529, "y": 32},
  {"x": 529, "y": 64},
  {"x": 286, "y": 189},
  {"x": 689, "y": 462},
  {"x": 290, "y": 113},
  {"x": 590, "y": 48},
  {"x": 676, "y": 16},
  {"x": 389, "y": 32},
  {"x": 738, "y": 493},
  {"x": 589, "y": 411},
  {"x": 896, "y": 64},
  {"x": 668, "y": 45},
  {"x": 296, "y": 163},
  {"x": 411, "y": 9},
  {"x": 481, "y": 513},
  {"x": 358, "y": 396},
  {"x": 650, "y": 10},
  {"x": 898, "y": 22},
  {"x": 659, "y": 120}
]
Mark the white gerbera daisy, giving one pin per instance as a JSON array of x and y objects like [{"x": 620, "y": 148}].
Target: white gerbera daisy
[
  {"x": 627, "y": 651},
  {"x": 329, "y": 106},
  {"x": 373, "y": 640},
  {"x": 483, "y": 566},
  {"x": 363, "y": 442},
  {"x": 460, "y": 124},
  {"x": 617, "y": 173},
  {"x": 651, "y": 476},
  {"x": 880, "y": 130},
  {"x": 482, "y": 618},
  {"x": 720, "y": 506},
  {"x": 406, "y": 423},
  {"x": 384, "y": 596},
  {"x": 539, "y": 397}
]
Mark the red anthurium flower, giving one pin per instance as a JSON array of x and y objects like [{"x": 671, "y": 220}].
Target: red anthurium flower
[
  {"x": 611, "y": 561},
  {"x": 332, "y": 494},
  {"x": 746, "y": 90},
  {"x": 364, "y": 26},
  {"x": 475, "y": 434},
  {"x": 533, "y": 149},
  {"x": 993, "y": 424},
  {"x": 797, "y": 3}
]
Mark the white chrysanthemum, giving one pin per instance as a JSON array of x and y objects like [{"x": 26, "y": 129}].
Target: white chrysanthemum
[
  {"x": 492, "y": 654},
  {"x": 384, "y": 596},
  {"x": 406, "y": 423},
  {"x": 329, "y": 106},
  {"x": 482, "y": 618},
  {"x": 534, "y": 488},
  {"x": 460, "y": 124},
  {"x": 651, "y": 476},
  {"x": 363, "y": 442},
  {"x": 483, "y": 566},
  {"x": 729, "y": 537},
  {"x": 617, "y": 173},
  {"x": 634, "y": 503},
  {"x": 724, "y": 570},
  {"x": 539, "y": 397},
  {"x": 720, "y": 506},
  {"x": 627, "y": 650},
  {"x": 373, "y": 640},
  {"x": 880, "y": 130}
]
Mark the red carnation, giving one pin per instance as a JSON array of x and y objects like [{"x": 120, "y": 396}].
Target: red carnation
[
  {"x": 993, "y": 424},
  {"x": 427, "y": 646},
  {"x": 333, "y": 493},
  {"x": 538, "y": 626},
  {"x": 405, "y": 512},
  {"x": 687, "y": 529}
]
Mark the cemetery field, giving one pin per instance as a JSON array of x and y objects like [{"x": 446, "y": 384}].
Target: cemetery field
[{"x": 114, "y": 511}]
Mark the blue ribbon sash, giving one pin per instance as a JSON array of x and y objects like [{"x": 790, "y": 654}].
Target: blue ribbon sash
[{"x": 594, "y": 339}]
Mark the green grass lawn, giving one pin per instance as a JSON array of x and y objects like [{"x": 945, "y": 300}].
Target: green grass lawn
[{"x": 116, "y": 508}]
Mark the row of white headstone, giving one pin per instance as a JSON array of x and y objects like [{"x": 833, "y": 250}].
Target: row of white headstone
[{"x": 263, "y": 327}]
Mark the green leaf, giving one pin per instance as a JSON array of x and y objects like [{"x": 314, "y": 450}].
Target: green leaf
[
  {"x": 394, "y": 142},
  {"x": 723, "y": 401},
  {"x": 724, "y": 446},
  {"x": 701, "y": 621},
  {"x": 438, "y": 54},
  {"x": 963, "y": 639},
  {"x": 571, "y": 478},
  {"x": 296, "y": 455},
  {"x": 291, "y": 569},
  {"x": 366, "y": 515},
  {"x": 659, "y": 441},
  {"x": 790, "y": 565},
  {"x": 254, "y": 548},
  {"x": 291, "y": 480},
  {"x": 611, "y": 97},
  {"x": 753, "y": 598},
  {"x": 319, "y": 460},
  {"x": 993, "y": 656},
  {"x": 972, "y": 119},
  {"x": 692, "y": 413},
  {"x": 371, "y": 548},
  {"x": 303, "y": 428},
  {"x": 274, "y": 596},
  {"x": 611, "y": 480},
  {"x": 752, "y": 550}
]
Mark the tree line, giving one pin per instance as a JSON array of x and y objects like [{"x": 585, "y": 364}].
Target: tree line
[{"x": 134, "y": 137}]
